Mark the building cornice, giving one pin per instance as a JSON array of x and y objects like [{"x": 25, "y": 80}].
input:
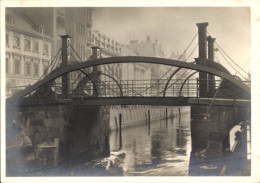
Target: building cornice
[{"x": 28, "y": 33}]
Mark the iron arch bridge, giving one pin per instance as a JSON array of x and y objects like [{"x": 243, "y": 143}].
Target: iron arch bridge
[{"x": 230, "y": 82}]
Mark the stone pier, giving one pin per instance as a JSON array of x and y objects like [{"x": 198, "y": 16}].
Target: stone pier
[
  {"x": 63, "y": 131},
  {"x": 210, "y": 130}
]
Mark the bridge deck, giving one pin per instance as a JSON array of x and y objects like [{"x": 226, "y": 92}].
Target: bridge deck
[{"x": 164, "y": 101}]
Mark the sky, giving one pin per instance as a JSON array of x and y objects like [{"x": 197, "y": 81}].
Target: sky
[{"x": 174, "y": 28}]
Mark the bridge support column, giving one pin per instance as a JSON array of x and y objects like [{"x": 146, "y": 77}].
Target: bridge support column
[
  {"x": 65, "y": 59},
  {"x": 96, "y": 69},
  {"x": 209, "y": 134},
  {"x": 203, "y": 87},
  {"x": 211, "y": 56}
]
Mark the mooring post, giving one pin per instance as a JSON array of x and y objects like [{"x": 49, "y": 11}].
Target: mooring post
[
  {"x": 65, "y": 54},
  {"x": 149, "y": 121},
  {"x": 116, "y": 123},
  {"x": 56, "y": 151},
  {"x": 166, "y": 116},
  {"x": 120, "y": 130},
  {"x": 179, "y": 116}
]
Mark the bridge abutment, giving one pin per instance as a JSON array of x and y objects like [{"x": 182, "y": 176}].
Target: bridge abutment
[
  {"x": 63, "y": 132},
  {"x": 210, "y": 131}
]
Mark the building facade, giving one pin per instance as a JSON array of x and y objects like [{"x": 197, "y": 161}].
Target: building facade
[
  {"x": 157, "y": 74},
  {"x": 28, "y": 51}
]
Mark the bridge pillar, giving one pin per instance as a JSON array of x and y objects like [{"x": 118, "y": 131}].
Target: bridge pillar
[
  {"x": 65, "y": 54},
  {"x": 202, "y": 36},
  {"x": 211, "y": 56},
  {"x": 209, "y": 130},
  {"x": 96, "y": 69}
]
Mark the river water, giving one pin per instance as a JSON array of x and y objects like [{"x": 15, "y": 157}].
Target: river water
[{"x": 161, "y": 149}]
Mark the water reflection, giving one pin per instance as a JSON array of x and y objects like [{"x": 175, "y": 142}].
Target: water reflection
[{"x": 163, "y": 149}]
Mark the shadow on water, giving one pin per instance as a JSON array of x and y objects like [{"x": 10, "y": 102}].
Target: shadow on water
[{"x": 161, "y": 147}]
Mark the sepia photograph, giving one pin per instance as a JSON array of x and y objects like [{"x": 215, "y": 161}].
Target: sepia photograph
[{"x": 108, "y": 91}]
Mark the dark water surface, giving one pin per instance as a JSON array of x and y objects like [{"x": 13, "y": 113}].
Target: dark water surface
[{"x": 163, "y": 149}]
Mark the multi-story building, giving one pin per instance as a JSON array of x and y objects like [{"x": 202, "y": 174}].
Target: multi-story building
[
  {"x": 28, "y": 51},
  {"x": 149, "y": 49},
  {"x": 46, "y": 25},
  {"x": 152, "y": 72},
  {"x": 109, "y": 46},
  {"x": 75, "y": 22},
  {"x": 112, "y": 48}
]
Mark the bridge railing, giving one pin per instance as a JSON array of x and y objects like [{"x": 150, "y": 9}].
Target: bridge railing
[
  {"x": 131, "y": 88},
  {"x": 138, "y": 88}
]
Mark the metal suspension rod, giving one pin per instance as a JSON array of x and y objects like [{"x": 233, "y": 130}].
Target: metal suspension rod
[
  {"x": 115, "y": 81},
  {"x": 54, "y": 59},
  {"x": 155, "y": 83},
  {"x": 232, "y": 66},
  {"x": 232, "y": 59},
  {"x": 166, "y": 86},
  {"x": 43, "y": 107},
  {"x": 90, "y": 71},
  {"x": 121, "y": 81},
  {"x": 94, "y": 84},
  {"x": 185, "y": 81},
  {"x": 183, "y": 75},
  {"x": 214, "y": 97}
]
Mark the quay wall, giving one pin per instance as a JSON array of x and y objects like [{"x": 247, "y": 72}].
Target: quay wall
[
  {"x": 138, "y": 115},
  {"x": 210, "y": 128},
  {"x": 77, "y": 130},
  {"x": 81, "y": 130}
]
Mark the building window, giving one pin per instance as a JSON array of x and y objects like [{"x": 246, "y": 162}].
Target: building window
[
  {"x": 45, "y": 66},
  {"x": 27, "y": 66},
  {"x": 60, "y": 22},
  {"x": 27, "y": 44},
  {"x": 89, "y": 16},
  {"x": 16, "y": 41},
  {"x": 41, "y": 30},
  {"x": 88, "y": 32},
  {"x": 17, "y": 64},
  {"x": 80, "y": 28},
  {"x": 35, "y": 46},
  {"x": 7, "y": 39},
  {"x": 7, "y": 64},
  {"x": 36, "y": 68},
  {"x": 45, "y": 49}
]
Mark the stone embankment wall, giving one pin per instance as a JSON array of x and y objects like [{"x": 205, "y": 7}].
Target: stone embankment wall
[
  {"x": 81, "y": 130},
  {"x": 77, "y": 129},
  {"x": 138, "y": 115},
  {"x": 210, "y": 130}
]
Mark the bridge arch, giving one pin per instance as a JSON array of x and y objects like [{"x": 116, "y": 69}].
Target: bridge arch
[
  {"x": 186, "y": 81},
  {"x": 132, "y": 59},
  {"x": 119, "y": 86}
]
